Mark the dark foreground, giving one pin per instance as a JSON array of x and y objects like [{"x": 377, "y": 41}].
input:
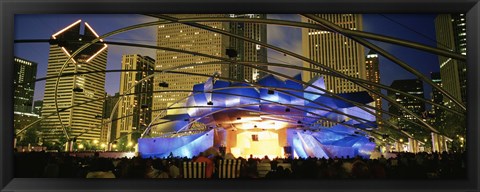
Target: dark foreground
[{"x": 404, "y": 166}]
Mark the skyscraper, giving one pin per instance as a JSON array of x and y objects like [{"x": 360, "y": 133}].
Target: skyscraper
[
  {"x": 248, "y": 51},
  {"x": 108, "y": 105},
  {"x": 135, "y": 109},
  {"x": 451, "y": 35},
  {"x": 79, "y": 96},
  {"x": 180, "y": 36},
  {"x": 437, "y": 97},
  {"x": 188, "y": 38},
  {"x": 412, "y": 87},
  {"x": 24, "y": 83},
  {"x": 335, "y": 51},
  {"x": 373, "y": 75}
]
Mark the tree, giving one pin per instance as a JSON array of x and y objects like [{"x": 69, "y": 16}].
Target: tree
[{"x": 30, "y": 136}]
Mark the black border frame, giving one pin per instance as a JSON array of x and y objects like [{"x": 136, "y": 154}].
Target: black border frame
[{"x": 9, "y": 8}]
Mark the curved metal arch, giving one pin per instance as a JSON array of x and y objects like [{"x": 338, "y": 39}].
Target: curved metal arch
[
  {"x": 247, "y": 63},
  {"x": 290, "y": 67},
  {"x": 299, "y": 81},
  {"x": 247, "y": 40},
  {"x": 286, "y": 52},
  {"x": 257, "y": 86},
  {"x": 101, "y": 37},
  {"x": 353, "y": 117},
  {"x": 367, "y": 35},
  {"x": 378, "y": 85}
]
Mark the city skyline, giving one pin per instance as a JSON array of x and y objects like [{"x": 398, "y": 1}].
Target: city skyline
[{"x": 276, "y": 36}]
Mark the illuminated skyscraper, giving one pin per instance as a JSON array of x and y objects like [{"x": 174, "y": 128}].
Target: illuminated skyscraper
[
  {"x": 188, "y": 38},
  {"x": 80, "y": 96},
  {"x": 134, "y": 110},
  {"x": 248, "y": 51},
  {"x": 451, "y": 35},
  {"x": 437, "y": 97},
  {"x": 335, "y": 51},
  {"x": 24, "y": 83},
  {"x": 180, "y": 36},
  {"x": 373, "y": 75}
]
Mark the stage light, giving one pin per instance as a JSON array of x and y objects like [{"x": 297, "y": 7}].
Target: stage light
[
  {"x": 231, "y": 53},
  {"x": 77, "y": 90},
  {"x": 163, "y": 84},
  {"x": 210, "y": 103}
]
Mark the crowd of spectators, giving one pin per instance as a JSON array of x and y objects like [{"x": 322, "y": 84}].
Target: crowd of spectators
[{"x": 403, "y": 166}]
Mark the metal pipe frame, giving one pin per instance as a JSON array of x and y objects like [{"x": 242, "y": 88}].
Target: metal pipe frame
[
  {"x": 103, "y": 36},
  {"x": 257, "y": 86},
  {"x": 285, "y": 52}
]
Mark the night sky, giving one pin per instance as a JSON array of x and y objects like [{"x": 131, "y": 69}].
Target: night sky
[{"x": 414, "y": 27}]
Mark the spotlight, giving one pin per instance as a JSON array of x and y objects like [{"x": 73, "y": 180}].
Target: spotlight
[
  {"x": 287, "y": 110},
  {"x": 270, "y": 92},
  {"x": 77, "y": 89},
  {"x": 163, "y": 84},
  {"x": 255, "y": 126},
  {"x": 231, "y": 53},
  {"x": 238, "y": 118},
  {"x": 210, "y": 103}
]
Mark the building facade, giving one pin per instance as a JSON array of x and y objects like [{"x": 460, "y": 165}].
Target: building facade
[
  {"x": 438, "y": 114},
  {"x": 108, "y": 105},
  {"x": 24, "y": 84},
  {"x": 135, "y": 106},
  {"x": 79, "y": 97},
  {"x": 451, "y": 35},
  {"x": 335, "y": 51},
  {"x": 412, "y": 87}
]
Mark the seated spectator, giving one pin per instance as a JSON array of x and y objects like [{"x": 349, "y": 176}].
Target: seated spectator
[
  {"x": 173, "y": 170},
  {"x": 210, "y": 165}
]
